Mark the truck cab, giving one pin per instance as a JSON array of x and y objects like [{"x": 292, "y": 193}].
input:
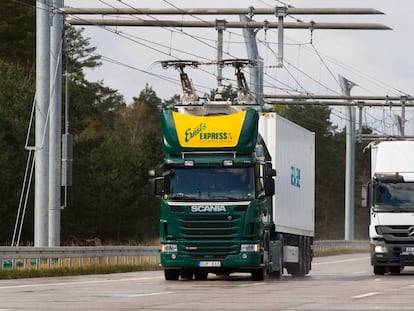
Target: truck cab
[{"x": 390, "y": 198}]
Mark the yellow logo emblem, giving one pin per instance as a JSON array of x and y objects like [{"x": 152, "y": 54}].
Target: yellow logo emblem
[{"x": 208, "y": 131}]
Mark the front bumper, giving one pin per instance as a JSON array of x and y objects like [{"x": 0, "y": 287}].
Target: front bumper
[
  {"x": 395, "y": 255},
  {"x": 238, "y": 262}
]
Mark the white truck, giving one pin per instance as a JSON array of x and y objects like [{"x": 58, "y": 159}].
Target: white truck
[{"x": 390, "y": 197}]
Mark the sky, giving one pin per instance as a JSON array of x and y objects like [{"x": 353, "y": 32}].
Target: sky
[{"x": 379, "y": 62}]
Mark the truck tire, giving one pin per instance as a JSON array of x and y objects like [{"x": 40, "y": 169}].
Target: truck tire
[
  {"x": 187, "y": 275},
  {"x": 379, "y": 270},
  {"x": 259, "y": 274},
  {"x": 395, "y": 270},
  {"x": 201, "y": 275},
  {"x": 171, "y": 274},
  {"x": 301, "y": 268},
  {"x": 275, "y": 275}
]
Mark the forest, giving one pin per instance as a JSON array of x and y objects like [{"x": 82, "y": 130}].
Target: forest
[{"x": 117, "y": 142}]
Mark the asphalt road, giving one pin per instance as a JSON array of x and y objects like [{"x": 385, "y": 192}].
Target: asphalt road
[{"x": 344, "y": 282}]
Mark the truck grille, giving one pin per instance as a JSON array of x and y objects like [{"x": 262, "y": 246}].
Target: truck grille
[
  {"x": 209, "y": 236},
  {"x": 397, "y": 234}
]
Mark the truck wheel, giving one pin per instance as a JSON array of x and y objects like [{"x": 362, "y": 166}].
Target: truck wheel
[
  {"x": 186, "y": 275},
  {"x": 201, "y": 275},
  {"x": 300, "y": 269},
  {"x": 379, "y": 270},
  {"x": 259, "y": 274},
  {"x": 171, "y": 274},
  {"x": 395, "y": 270},
  {"x": 278, "y": 274}
]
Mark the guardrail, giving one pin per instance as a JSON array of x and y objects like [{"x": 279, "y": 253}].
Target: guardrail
[
  {"x": 328, "y": 245},
  {"x": 48, "y": 257}
]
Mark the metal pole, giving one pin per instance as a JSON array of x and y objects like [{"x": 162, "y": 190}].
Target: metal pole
[
  {"x": 42, "y": 128},
  {"x": 220, "y": 26},
  {"x": 280, "y": 14},
  {"x": 346, "y": 87},
  {"x": 55, "y": 125},
  {"x": 220, "y": 11},
  {"x": 229, "y": 24},
  {"x": 253, "y": 53},
  {"x": 403, "y": 101}
]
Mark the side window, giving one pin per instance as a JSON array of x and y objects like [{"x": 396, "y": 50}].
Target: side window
[{"x": 259, "y": 173}]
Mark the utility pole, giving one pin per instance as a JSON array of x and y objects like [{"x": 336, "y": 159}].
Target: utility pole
[
  {"x": 255, "y": 72},
  {"x": 55, "y": 125},
  {"x": 42, "y": 128},
  {"x": 346, "y": 87}
]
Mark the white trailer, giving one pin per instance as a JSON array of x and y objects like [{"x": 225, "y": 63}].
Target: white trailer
[{"x": 292, "y": 149}]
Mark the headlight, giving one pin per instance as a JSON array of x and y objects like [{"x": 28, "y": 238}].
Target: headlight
[
  {"x": 169, "y": 248},
  {"x": 250, "y": 248},
  {"x": 380, "y": 249}
]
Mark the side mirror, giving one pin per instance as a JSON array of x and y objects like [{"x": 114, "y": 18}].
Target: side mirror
[
  {"x": 152, "y": 186},
  {"x": 269, "y": 186},
  {"x": 271, "y": 173},
  {"x": 364, "y": 196},
  {"x": 154, "y": 183}
]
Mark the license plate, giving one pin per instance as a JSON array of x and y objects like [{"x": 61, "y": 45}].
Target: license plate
[
  {"x": 408, "y": 250},
  {"x": 209, "y": 264}
]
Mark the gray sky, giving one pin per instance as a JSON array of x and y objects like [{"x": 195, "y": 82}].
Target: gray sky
[{"x": 379, "y": 62}]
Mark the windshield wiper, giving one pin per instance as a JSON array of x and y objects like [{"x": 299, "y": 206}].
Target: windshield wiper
[
  {"x": 227, "y": 198},
  {"x": 182, "y": 197},
  {"x": 393, "y": 209}
]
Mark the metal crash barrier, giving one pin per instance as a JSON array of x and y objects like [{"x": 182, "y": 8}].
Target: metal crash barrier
[{"x": 77, "y": 256}]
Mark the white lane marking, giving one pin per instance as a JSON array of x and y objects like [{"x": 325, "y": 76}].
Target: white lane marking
[
  {"x": 360, "y": 272},
  {"x": 365, "y": 295},
  {"x": 148, "y": 294},
  {"x": 78, "y": 283},
  {"x": 251, "y": 284},
  {"x": 339, "y": 261}
]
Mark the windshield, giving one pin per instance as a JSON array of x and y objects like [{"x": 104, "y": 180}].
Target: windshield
[
  {"x": 235, "y": 183},
  {"x": 394, "y": 195}
]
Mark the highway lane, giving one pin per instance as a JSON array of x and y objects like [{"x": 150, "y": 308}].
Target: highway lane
[{"x": 342, "y": 282}]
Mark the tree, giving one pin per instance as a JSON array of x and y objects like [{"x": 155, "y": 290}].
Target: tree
[
  {"x": 18, "y": 32},
  {"x": 16, "y": 93},
  {"x": 114, "y": 164}
]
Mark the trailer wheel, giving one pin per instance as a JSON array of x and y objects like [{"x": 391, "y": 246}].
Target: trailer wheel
[
  {"x": 379, "y": 270},
  {"x": 171, "y": 274}
]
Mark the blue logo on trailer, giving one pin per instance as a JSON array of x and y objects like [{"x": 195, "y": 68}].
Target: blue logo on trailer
[{"x": 295, "y": 176}]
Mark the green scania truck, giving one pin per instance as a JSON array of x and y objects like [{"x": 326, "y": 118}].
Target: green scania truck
[{"x": 219, "y": 210}]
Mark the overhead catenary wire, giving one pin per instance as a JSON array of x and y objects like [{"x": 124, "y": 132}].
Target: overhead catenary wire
[{"x": 291, "y": 73}]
